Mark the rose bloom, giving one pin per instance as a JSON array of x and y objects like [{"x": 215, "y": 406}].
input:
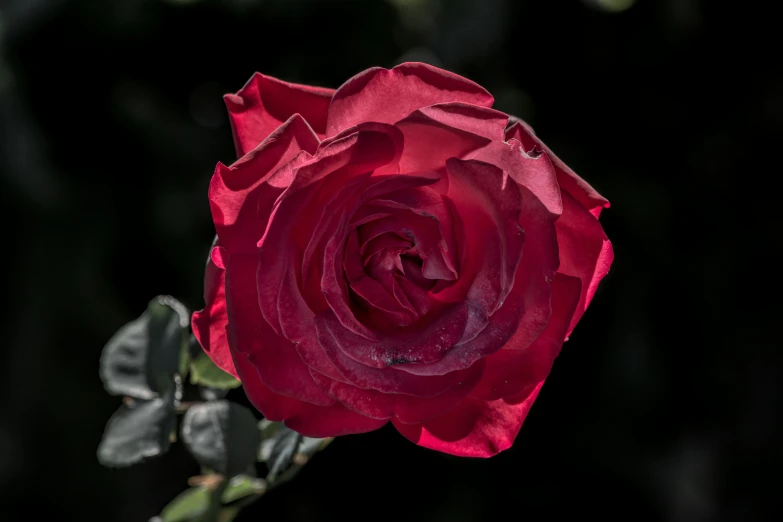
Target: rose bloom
[{"x": 395, "y": 250}]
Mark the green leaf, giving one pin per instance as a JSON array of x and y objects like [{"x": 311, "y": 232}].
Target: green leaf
[
  {"x": 141, "y": 359},
  {"x": 222, "y": 436},
  {"x": 205, "y": 373},
  {"x": 280, "y": 448},
  {"x": 138, "y": 431},
  {"x": 189, "y": 505},
  {"x": 286, "y": 444},
  {"x": 242, "y": 486},
  {"x": 311, "y": 446}
]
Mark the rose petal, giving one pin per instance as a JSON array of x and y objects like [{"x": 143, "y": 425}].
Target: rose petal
[
  {"x": 314, "y": 357},
  {"x": 292, "y": 223},
  {"x": 331, "y": 421},
  {"x": 489, "y": 208},
  {"x": 252, "y": 337},
  {"x": 481, "y": 121},
  {"x": 585, "y": 251},
  {"x": 423, "y": 232},
  {"x": 448, "y": 130},
  {"x": 209, "y": 323},
  {"x": 357, "y": 150},
  {"x": 389, "y": 95},
  {"x": 382, "y": 242},
  {"x": 297, "y": 325},
  {"x": 326, "y": 227},
  {"x": 569, "y": 181},
  {"x": 383, "y": 185},
  {"x": 370, "y": 290},
  {"x": 427, "y": 202},
  {"x": 413, "y": 273},
  {"x": 241, "y": 196},
  {"x": 273, "y": 406},
  {"x": 405, "y": 408},
  {"x": 526, "y": 310},
  {"x": 415, "y": 294},
  {"x": 416, "y": 344},
  {"x": 474, "y": 428},
  {"x": 265, "y": 102},
  {"x": 308, "y": 419},
  {"x": 330, "y": 331},
  {"x": 416, "y": 308},
  {"x": 536, "y": 173},
  {"x": 333, "y": 285},
  {"x": 519, "y": 366},
  {"x": 429, "y": 143}
]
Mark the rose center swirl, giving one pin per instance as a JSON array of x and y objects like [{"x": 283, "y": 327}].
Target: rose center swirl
[{"x": 397, "y": 258}]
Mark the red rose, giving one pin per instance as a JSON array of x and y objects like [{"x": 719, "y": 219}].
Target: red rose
[{"x": 395, "y": 250}]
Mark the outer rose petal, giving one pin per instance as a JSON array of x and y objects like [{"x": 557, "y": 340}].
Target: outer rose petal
[
  {"x": 436, "y": 133},
  {"x": 333, "y": 421},
  {"x": 474, "y": 428},
  {"x": 517, "y": 367},
  {"x": 274, "y": 406},
  {"x": 481, "y": 121},
  {"x": 209, "y": 324},
  {"x": 307, "y": 419},
  {"x": 534, "y": 173},
  {"x": 585, "y": 251},
  {"x": 429, "y": 142},
  {"x": 387, "y": 96},
  {"x": 569, "y": 181},
  {"x": 251, "y": 337},
  {"x": 406, "y": 408},
  {"x": 311, "y": 420},
  {"x": 265, "y": 102},
  {"x": 241, "y": 196}
]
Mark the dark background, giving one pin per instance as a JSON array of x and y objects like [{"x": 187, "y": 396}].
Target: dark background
[{"x": 664, "y": 404}]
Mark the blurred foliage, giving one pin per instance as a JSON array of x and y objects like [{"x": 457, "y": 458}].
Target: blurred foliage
[
  {"x": 662, "y": 406},
  {"x": 611, "y": 5}
]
